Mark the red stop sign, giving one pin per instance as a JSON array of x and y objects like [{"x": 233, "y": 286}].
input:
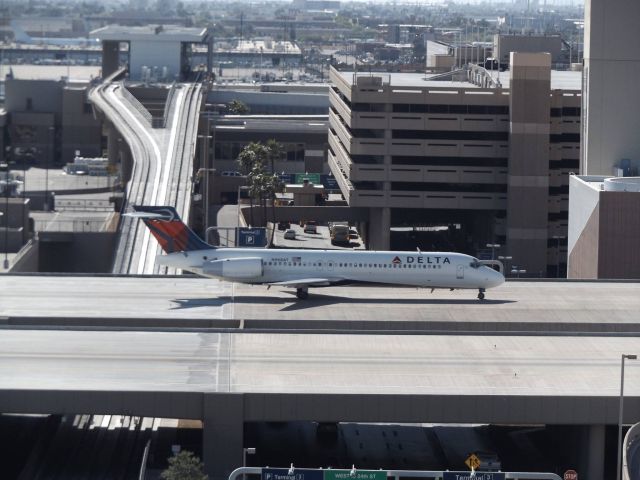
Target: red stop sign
[{"x": 570, "y": 475}]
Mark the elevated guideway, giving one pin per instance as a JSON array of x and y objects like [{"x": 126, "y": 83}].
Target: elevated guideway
[
  {"x": 631, "y": 454},
  {"x": 162, "y": 164}
]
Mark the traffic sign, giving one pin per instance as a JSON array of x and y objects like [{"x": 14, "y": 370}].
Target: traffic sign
[
  {"x": 357, "y": 475},
  {"x": 472, "y": 461},
  {"x": 298, "y": 474},
  {"x": 252, "y": 237},
  {"x": 570, "y": 475},
  {"x": 477, "y": 476},
  {"x": 312, "y": 177}
]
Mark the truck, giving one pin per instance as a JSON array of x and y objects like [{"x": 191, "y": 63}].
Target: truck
[{"x": 339, "y": 232}]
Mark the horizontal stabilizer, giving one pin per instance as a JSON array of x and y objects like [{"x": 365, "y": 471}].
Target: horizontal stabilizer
[{"x": 307, "y": 282}]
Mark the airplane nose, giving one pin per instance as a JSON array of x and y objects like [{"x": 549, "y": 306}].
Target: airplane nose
[{"x": 495, "y": 278}]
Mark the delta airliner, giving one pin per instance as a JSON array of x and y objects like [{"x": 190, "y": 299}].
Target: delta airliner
[{"x": 302, "y": 269}]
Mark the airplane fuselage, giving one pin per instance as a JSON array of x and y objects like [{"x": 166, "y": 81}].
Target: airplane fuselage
[{"x": 273, "y": 266}]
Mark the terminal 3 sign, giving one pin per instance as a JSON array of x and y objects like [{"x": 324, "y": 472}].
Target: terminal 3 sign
[{"x": 473, "y": 476}]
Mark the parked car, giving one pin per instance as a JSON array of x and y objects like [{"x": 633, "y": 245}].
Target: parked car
[
  {"x": 229, "y": 173},
  {"x": 284, "y": 225},
  {"x": 290, "y": 234}
]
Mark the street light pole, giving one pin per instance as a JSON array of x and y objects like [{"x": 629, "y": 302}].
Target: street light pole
[
  {"x": 245, "y": 451},
  {"x": 620, "y": 417},
  {"x": 493, "y": 247},
  {"x": 506, "y": 259},
  {"x": 46, "y": 171},
  {"x": 5, "y": 169},
  {"x": 557, "y": 238}
]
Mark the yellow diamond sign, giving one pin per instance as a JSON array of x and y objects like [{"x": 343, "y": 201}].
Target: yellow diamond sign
[{"x": 472, "y": 461}]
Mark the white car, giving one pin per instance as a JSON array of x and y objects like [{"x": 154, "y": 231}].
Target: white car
[{"x": 290, "y": 234}]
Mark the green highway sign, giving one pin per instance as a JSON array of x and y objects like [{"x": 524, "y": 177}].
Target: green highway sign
[
  {"x": 359, "y": 475},
  {"x": 312, "y": 177}
]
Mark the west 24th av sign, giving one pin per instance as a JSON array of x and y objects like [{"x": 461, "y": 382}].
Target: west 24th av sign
[{"x": 313, "y": 474}]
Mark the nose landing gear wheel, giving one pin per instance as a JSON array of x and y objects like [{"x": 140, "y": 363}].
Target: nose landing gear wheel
[
  {"x": 302, "y": 293},
  {"x": 481, "y": 294}
]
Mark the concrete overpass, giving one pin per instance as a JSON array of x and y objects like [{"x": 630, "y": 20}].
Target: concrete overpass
[{"x": 557, "y": 375}]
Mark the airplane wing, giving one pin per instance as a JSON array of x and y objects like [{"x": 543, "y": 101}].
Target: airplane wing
[{"x": 307, "y": 282}]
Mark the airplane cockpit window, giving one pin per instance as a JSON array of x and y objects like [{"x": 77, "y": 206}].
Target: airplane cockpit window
[{"x": 475, "y": 263}]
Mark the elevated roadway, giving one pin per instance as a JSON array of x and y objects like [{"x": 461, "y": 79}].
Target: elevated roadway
[
  {"x": 162, "y": 164},
  {"x": 566, "y": 307},
  {"x": 534, "y": 353}
]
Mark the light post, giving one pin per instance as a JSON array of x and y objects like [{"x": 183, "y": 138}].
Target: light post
[
  {"x": 205, "y": 163},
  {"x": 517, "y": 271},
  {"x": 506, "y": 259},
  {"x": 557, "y": 238},
  {"x": 493, "y": 247},
  {"x": 46, "y": 171},
  {"x": 620, "y": 419},
  {"x": 245, "y": 452},
  {"x": 5, "y": 169}
]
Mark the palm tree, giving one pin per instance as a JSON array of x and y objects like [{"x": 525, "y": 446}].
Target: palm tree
[
  {"x": 273, "y": 185},
  {"x": 251, "y": 160},
  {"x": 238, "y": 107},
  {"x": 275, "y": 152},
  {"x": 262, "y": 186}
]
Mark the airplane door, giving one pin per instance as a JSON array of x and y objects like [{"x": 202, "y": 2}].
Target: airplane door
[
  {"x": 319, "y": 265},
  {"x": 330, "y": 264},
  {"x": 460, "y": 271}
]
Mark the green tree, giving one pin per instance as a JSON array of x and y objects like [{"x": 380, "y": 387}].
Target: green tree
[
  {"x": 275, "y": 152},
  {"x": 251, "y": 160},
  {"x": 184, "y": 466},
  {"x": 237, "y": 107},
  {"x": 263, "y": 186}
]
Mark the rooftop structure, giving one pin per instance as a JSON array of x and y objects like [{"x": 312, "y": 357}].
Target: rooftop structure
[
  {"x": 604, "y": 227},
  {"x": 163, "y": 48}
]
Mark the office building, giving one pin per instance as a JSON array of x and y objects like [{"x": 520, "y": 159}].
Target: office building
[{"x": 611, "y": 100}]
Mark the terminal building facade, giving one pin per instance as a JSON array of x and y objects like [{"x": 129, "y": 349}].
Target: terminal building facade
[{"x": 488, "y": 165}]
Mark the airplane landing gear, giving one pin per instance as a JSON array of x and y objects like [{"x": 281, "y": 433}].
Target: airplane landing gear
[
  {"x": 481, "y": 294},
  {"x": 302, "y": 293}
]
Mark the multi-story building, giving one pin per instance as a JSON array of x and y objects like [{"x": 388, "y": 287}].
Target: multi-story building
[{"x": 477, "y": 165}]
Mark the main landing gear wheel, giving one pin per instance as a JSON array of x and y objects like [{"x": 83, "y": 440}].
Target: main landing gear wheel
[
  {"x": 302, "y": 293},
  {"x": 481, "y": 294}
]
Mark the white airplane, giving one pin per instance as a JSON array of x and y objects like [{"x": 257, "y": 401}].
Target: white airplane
[
  {"x": 302, "y": 269},
  {"x": 20, "y": 36}
]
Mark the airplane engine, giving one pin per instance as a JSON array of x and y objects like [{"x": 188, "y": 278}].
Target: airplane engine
[{"x": 234, "y": 268}]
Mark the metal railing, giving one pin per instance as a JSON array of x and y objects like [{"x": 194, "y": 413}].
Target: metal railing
[
  {"x": 135, "y": 103},
  {"x": 162, "y": 122},
  {"x": 397, "y": 474},
  {"x": 69, "y": 226},
  {"x": 95, "y": 205}
]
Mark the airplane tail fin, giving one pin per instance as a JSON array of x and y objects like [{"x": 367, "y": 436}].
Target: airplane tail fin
[{"x": 170, "y": 231}]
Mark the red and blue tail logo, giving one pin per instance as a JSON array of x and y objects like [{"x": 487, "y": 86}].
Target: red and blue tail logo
[{"x": 169, "y": 230}]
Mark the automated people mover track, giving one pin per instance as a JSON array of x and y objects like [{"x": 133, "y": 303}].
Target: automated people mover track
[{"x": 162, "y": 162}]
